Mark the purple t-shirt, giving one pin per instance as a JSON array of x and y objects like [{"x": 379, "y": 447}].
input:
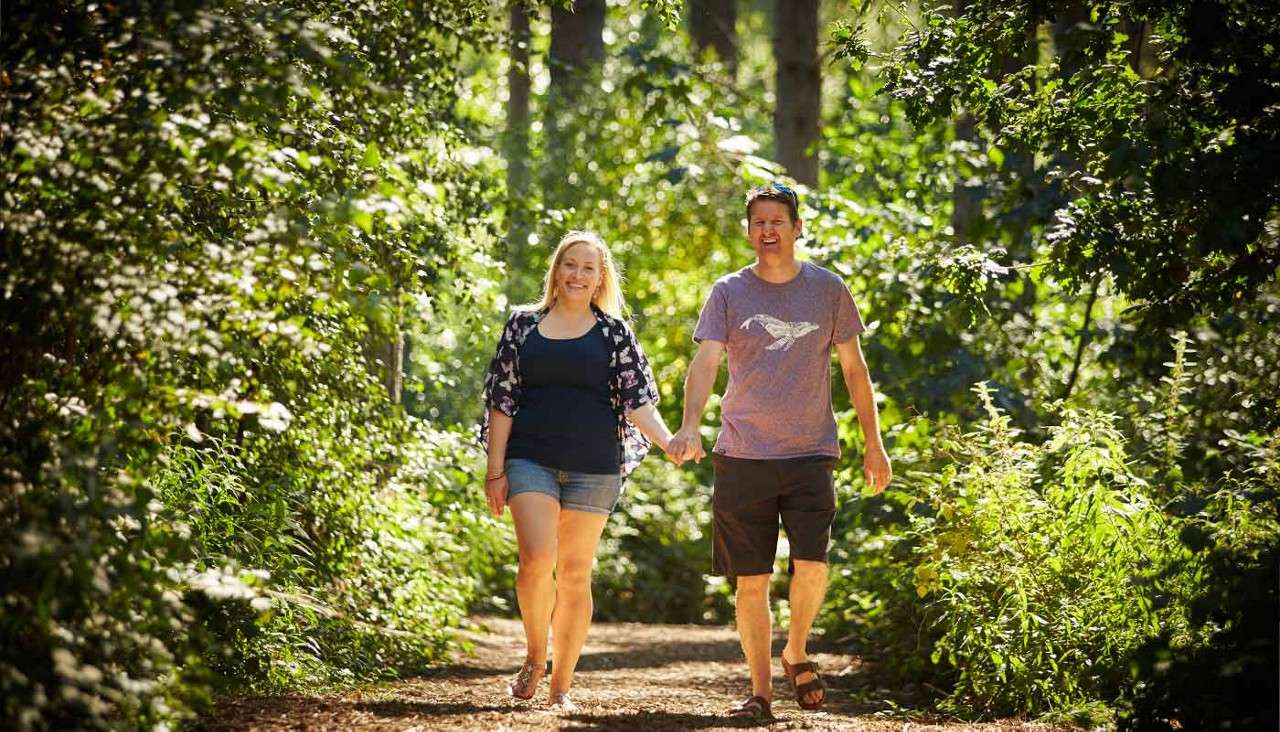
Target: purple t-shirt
[{"x": 779, "y": 339}]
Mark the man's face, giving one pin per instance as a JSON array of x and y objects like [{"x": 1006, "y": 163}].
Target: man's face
[{"x": 772, "y": 233}]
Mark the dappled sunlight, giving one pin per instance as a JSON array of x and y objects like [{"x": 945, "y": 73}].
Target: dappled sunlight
[{"x": 257, "y": 257}]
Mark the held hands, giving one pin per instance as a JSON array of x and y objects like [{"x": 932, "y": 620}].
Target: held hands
[
  {"x": 876, "y": 470},
  {"x": 685, "y": 445}
]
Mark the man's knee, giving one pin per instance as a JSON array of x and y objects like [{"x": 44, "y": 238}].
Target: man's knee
[
  {"x": 807, "y": 570},
  {"x": 753, "y": 586}
]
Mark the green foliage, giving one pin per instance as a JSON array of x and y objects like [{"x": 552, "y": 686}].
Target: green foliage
[
  {"x": 654, "y": 558},
  {"x": 220, "y": 219},
  {"x": 1026, "y": 561},
  {"x": 1043, "y": 577},
  {"x": 1212, "y": 663},
  {"x": 1014, "y": 561},
  {"x": 1154, "y": 121},
  {"x": 224, "y": 220},
  {"x": 364, "y": 587}
]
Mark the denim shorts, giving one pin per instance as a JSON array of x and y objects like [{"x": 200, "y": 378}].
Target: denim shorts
[{"x": 590, "y": 492}]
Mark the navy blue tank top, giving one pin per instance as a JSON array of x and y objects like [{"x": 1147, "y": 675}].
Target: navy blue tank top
[{"x": 565, "y": 421}]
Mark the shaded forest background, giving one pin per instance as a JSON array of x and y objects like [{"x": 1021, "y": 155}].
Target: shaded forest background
[{"x": 254, "y": 256}]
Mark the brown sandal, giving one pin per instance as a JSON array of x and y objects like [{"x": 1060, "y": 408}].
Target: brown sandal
[
  {"x": 817, "y": 684},
  {"x": 757, "y": 707}
]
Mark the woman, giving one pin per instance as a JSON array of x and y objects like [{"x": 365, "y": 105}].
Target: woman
[{"x": 570, "y": 411}]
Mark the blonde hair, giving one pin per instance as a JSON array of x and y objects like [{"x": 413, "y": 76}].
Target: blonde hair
[{"x": 608, "y": 296}]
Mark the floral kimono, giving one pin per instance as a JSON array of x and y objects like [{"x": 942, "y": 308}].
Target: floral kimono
[{"x": 631, "y": 382}]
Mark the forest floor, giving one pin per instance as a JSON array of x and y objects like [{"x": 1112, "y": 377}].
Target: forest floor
[{"x": 631, "y": 676}]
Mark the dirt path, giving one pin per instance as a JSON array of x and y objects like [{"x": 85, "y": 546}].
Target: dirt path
[{"x": 631, "y": 677}]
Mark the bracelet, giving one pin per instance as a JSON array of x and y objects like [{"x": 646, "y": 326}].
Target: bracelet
[{"x": 488, "y": 478}]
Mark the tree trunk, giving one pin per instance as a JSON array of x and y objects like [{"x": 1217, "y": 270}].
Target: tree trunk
[
  {"x": 799, "y": 85},
  {"x": 393, "y": 363},
  {"x": 384, "y": 343},
  {"x": 577, "y": 42},
  {"x": 713, "y": 24},
  {"x": 968, "y": 192},
  {"x": 1019, "y": 171},
  {"x": 577, "y": 48},
  {"x": 517, "y": 142},
  {"x": 1068, "y": 37},
  {"x": 1138, "y": 48}
]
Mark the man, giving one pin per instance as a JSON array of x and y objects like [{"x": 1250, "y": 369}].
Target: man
[{"x": 778, "y": 320}]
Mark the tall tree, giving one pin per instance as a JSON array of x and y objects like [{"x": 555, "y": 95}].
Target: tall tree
[
  {"x": 1015, "y": 177},
  {"x": 1070, "y": 31},
  {"x": 1167, "y": 181},
  {"x": 517, "y": 142},
  {"x": 577, "y": 42},
  {"x": 798, "y": 88},
  {"x": 966, "y": 192},
  {"x": 577, "y": 48},
  {"x": 713, "y": 24},
  {"x": 387, "y": 344}
]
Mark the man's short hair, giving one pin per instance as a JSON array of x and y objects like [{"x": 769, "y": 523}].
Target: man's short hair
[{"x": 775, "y": 192}]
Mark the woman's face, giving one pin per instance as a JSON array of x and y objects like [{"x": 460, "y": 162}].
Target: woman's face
[{"x": 579, "y": 274}]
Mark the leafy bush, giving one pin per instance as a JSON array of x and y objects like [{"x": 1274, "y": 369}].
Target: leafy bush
[
  {"x": 1047, "y": 577},
  {"x": 654, "y": 560},
  {"x": 1011, "y": 570},
  {"x": 221, "y": 218},
  {"x": 1212, "y": 664},
  {"x": 408, "y": 560},
  {"x": 1024, "y": 556}
]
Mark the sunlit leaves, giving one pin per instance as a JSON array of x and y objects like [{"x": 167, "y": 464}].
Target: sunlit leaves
[
  {"x": 219, "y": 215},
  {"x": 1151, "y": 178}
]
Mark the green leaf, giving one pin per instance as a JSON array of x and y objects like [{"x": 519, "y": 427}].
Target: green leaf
[{"x": 372, "y": 155}]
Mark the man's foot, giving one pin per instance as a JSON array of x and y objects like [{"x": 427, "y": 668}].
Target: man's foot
[
  {"x": 757, "y": 708},
  {"x": 811, "y": 690},
  {"x": 561, "y": 702},
  {"x": 525, "y": 683}
]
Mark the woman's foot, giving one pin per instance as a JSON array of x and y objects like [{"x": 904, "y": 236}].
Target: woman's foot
[
  {"x": 561, "y": 702},
  {"x": 525, "y": 683}
]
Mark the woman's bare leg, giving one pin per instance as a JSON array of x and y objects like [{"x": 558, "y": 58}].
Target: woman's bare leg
[
  {"x": 537, "y": 518},
  {"x": 579, "y": 533}
]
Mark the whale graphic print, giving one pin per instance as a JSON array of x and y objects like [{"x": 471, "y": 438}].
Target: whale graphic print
[{"x": 786, "y": 333}]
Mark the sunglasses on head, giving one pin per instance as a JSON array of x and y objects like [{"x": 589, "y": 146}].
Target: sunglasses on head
[{"x": 784, "y": 190}]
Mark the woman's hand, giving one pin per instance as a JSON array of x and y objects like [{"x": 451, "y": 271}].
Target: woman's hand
[
  {"x": 495, "y": 492},
  {"x": 674, "y": 457},
  {"x": 495, "y": 476},
  {"x": 649, "y": 422}
]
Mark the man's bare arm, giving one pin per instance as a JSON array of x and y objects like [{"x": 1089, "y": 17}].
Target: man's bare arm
[
  {"x": 698, "y": 384},
  {"x": 857, "y": 379}
]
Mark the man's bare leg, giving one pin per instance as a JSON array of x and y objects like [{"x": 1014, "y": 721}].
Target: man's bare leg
[
  {"x": 755, "y": 628},
  {"x": 808, "y": 588}
]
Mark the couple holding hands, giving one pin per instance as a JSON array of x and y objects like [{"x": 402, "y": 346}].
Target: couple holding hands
[{"x": 570, "y": 411}]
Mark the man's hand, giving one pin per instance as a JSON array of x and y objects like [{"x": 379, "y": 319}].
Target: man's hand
[
  {"x": 876, "y": 470},
  {"x": 687, "y": 444}
]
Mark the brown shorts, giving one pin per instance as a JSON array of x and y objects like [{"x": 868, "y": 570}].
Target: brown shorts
[{"x": 749, "y": 497}]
